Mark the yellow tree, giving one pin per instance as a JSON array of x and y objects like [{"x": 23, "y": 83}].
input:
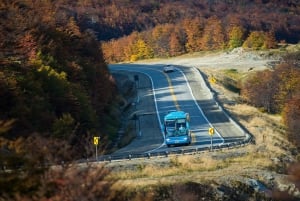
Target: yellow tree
[
  {"x": 128, "y": 44},
  {"x": 142, "y": 51},
  {"x": 236, "y": 34},
  {"x": 255, "y": 40}
]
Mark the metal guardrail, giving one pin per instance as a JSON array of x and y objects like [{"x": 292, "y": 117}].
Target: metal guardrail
[
  {"x": 197, "y": 150},
  {"x": 152, "y": 155}
]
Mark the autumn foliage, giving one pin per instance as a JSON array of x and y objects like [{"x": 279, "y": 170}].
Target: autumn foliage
[
  {"x": 278, "y": 91},
  {"x": 194, "y": 26},
  {"x": 55, "y": 91}
]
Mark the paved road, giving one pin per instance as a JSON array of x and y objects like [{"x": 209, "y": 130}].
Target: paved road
[{"x": 183, "y": 90}]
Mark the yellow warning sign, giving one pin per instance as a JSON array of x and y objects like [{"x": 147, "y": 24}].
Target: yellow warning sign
[
  {"x": 212, "y": 80},
  {"x": 96, "y": 140},
  {"x": 211, "y": 131}
]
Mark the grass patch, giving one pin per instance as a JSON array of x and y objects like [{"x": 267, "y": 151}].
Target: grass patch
[
  {"x": 178, "y": 165},
  {"x": 231, "y": 84},
  {"x": 194, "y": 167},
  {"x": 230, "y": 79},
  {"x": 232, "y": 72}
]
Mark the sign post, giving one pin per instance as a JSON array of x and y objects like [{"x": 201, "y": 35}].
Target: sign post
[
  {"x": 96, "y": 142},
  {"x": 211, "y": 132},
  {"x": 136, "y": 79}
]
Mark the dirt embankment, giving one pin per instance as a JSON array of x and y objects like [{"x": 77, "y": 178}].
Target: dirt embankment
[{"x": 238, "y": 58}]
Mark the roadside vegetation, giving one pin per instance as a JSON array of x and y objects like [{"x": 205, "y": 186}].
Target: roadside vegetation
[{"x": 273, "y": 91}]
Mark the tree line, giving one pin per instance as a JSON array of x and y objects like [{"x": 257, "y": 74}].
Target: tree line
[
  {"x": 117, "y": 18},
  {"x": 171, "y": 28},
  {"x": 189, "y": 36}
]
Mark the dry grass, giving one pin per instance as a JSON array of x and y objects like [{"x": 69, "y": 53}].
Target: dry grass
[
  {"x": 267, "y": 129},
  {"x": 194, "y": 166}
]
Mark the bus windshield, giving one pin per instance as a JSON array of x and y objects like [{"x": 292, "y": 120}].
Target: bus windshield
[
  {"x": 180, "y": 123},
  {"x": 170, "y": 124}
]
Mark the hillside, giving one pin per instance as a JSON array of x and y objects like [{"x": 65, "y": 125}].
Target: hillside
[
  {"x": 56, "y": 91},
  {"x": 118, "y": 18}
]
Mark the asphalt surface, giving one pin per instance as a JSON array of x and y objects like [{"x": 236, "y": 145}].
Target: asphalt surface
[
  {"x": 147, "y": 125},
  {"x": 149, "y": 136},
  {"x": 214, "y": 112}
]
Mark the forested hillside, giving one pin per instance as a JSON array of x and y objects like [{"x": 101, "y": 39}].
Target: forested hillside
[
  {"x": 121, "y": 17},
  {"x": 170, "y": 28},
  {"x": 56, "y": 92},
  {"x": 55, "y": 88}
]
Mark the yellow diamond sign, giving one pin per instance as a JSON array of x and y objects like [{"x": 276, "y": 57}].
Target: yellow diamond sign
[
  {"x": 211, "y": 131},
  {"x": 96, "y": 140}
]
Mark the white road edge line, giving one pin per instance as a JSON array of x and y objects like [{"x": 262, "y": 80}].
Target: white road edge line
[
  {"x": 197, "y": 103},
  {"x": 157, "y": 113}
]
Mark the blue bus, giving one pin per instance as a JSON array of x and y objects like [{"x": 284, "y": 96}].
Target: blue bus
[{"x": 176, "y": 128}]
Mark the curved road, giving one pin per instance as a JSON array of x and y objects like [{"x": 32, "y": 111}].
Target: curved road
[{"x": 183, "y": 89}]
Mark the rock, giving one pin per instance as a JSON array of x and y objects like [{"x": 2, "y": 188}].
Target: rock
[{"x": 284, "y": 185}]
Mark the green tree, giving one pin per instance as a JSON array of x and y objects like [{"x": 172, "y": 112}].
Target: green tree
[{"x": 64, "y": 126}]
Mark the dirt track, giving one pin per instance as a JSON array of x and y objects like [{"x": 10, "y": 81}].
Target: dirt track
[{"x": 235, "y": 59}]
